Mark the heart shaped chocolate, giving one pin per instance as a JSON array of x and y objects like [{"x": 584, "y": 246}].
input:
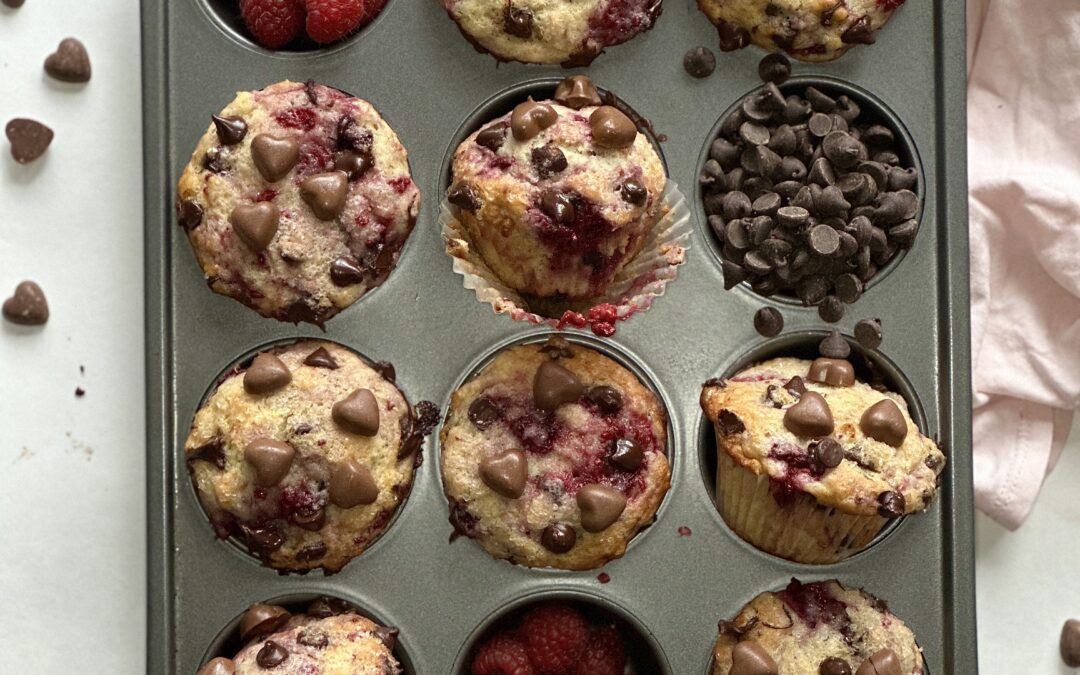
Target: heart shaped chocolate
[
  {"x": 255, "y": 224},
  {"x": 274, "y": 156},
  {"x": 810, "y": 417},
  {"x": 600, "y": 506},
  {"x": 358, "y": 414},
  {"x": 554, "y": 385},
  {"x": 28, "y": 306},
  {"x": 69, "y": 63},
  {"x": 326, "y": 193},
  {"x": 506, "y": 473}
]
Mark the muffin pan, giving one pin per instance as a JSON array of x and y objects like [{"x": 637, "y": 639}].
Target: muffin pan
[{"x": 688, "y": 570}]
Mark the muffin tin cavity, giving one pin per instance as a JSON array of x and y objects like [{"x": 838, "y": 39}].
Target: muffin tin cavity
[
  {"x": 872, "y": 111},
  {"x": 644, "y": 655},
  {"x": 227, "y": 642},
  {"x": 870, "y": 366}
]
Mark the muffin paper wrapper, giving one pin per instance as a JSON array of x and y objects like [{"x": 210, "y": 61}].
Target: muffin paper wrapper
[
  {"x": 803, "y": 531},
  {"x": 644, "y": 278}
]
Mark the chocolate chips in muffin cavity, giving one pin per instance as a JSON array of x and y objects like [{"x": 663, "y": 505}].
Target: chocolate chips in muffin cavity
[
  {"x": 699, "y": 62},
  {"x": 607, "y": 399},
  {"x": 558, "y": 538},
  {"x": 834, "y": 346},
  {"x": 768, "y": 322}
]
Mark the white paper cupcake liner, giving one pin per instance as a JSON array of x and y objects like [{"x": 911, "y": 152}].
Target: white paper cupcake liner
[{"x": 633, "y": 289}]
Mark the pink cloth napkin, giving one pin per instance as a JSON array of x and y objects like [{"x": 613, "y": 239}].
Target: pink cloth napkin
[{"x": 1024, "y": 170}]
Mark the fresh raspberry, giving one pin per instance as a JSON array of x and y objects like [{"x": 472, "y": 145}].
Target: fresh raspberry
[
  {"x": 330, "y": 20},
  {"x": 555, "y": 636},
  {"x": 604, "y": 654},
  {"x": 273, "y": 23},
  {"x": 503, "y": 654}
]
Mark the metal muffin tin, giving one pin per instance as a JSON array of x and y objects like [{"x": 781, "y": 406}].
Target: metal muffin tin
[{"x": 688, "y": 570}]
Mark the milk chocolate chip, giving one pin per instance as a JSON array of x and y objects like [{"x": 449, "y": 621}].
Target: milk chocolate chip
[
  {"x": 28, "y": 306},
  {"x": 358, "y": 413},
  {"x": 530, "y": 118},
  {"x": 884, "y": 422},
  {"x": 577, "y": 92},
  {"x": 326, "y": 193},
  {"x": 266, "y": 373},
  {"x": 351, "y": 484},
  {"x": 260, "y": 620},
  {"x": 255, "y": 224},
  {"x": 810, "y": 416},
  {"x": 834, "y": 666},
  {"x": 554, "y": 385},
  {"x": 600, "y": 506},
  {"x": 833, "y": 372},
  {"x": 274, "y": 156},
  {"x": 750, "y": 658},
  {"x": 611, "y": 128},
  {"x": 506, "y": 473},
  {"x": 271, "y": 460},
  {"x": 29, "y": 139},
  {"x": 558, "y": 538},
  {"x": 218, "y": 666},
  {"x": 69, "y": 63},
  {"x": 881, "y": 662}
]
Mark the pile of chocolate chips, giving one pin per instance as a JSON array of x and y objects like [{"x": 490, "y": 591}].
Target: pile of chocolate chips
[{"x": 806, "y": 196}]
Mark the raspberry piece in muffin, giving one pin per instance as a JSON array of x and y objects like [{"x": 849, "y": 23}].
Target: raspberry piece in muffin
[
  {"x": 305, "y": 455},
  {"x": 794, "y": 436},
  {"x": 821, "y": 628},
  {"x": 808, "y": 30},
  {"x": 558, "y": 196},
  {"x": 297, "y": 201},
  {"x": 570, "y": 32},
  {"x": 329, "y": 638},
  {"x": 554, "y": 455}
]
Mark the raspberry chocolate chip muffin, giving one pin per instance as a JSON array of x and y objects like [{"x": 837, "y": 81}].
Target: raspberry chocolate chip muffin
[
  {"x": 809, "y": 30},
  {"x": 812, "y": 464},
  {"x": 554, "y": 456},
  {"x": 329, "y": 639},
  {"x": 570, "y": 32},
  {"x": 558, "y": 196},
  {"x": 305, "y": 454},
  {"x": 297, "y": 201},
  {"x": 821, "y": 628}
]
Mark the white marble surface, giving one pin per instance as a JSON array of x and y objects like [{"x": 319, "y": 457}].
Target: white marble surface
[{"x": 72, "y": 498}]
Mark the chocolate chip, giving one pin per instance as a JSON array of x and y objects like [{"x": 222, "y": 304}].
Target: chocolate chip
[
  {"x": 820, "y": 124},
  {"x": 213, "y": 451},
  {"x": 518, "y": 21},
  {"x": 274, "y": 156},
  {"x": 311, "y": 519},
  {"x": 548, "y": 160},
  {"x": 881, "y": 662},
  {"x": 506, "y": 473},
  {"x": 828, "y": 453},
  {"x": 847, "y": 109},
  {"x": 901, "y": 178},
  {"x": 831, "y": 309},
  {"x": 633, "y": 192},
  {"x": 70, "y": 62},
  {"x": 611, "y": 128},
  {"x": 724, "y": 153},
  {"x": 493, "y": 136},
  {"x": 750, "y": 658},
  {"x": 261, "y": 620},
  {"x": 530, "y": 118},
  {"x": 267, "y": 373},
  {"x": 868, "y": 333},
  {"x": 843, "y": 150},
  {"x": 321, "y": 358},
  {"x": 607, "y": 399},
  {"x": 558, "y": 206},
  {"x": 858, "y": 188},
  {"x": 271, "y": 460},
  {"x": 558, "y": 538},
  {"x": 326, "y": 193},
  {"x": 600, "y": 506},
  {"x": 316, "y": 639},
  {"x": 699, "y": 62},
  {"x": 189, "y": 214},
  {"x": 464, "y": 197},
  {"x": 213, "y": 161},
  {"x": 353, "y": 164},
  {"x": 255, "y": 224},
  {"x": 768, "y": 322},
  {"x": 29, "y": 139},
  {"x": 733, "y": 274},
  {"x": 732, "y": 36},
  {"x": 885, "y": 423},
  {"x": 728, "y": 423},
  {"x": 831, "y": 202},
  {"x": 795, "y": 386},
  {"x": 834, "y": 666},
  {"x": 792, "y": 216},
  {"x": 387, "y": 636},
  {"x": 774, "y": 68},
  {"x": 271, "y": 655},
  {"x": 824, "y": 240},
  {"x": 230, "y": 130},
  {"x": 859, "y": 33},
  {"x": 325, "y": 607},
  {"x": 358, "y": 413},
  {"x": 27, "y": 307},
  {"x": 263, "y": 541},
  {"x": 483, "y": 413},
  {"x": 833, "y": 372},
  {"x": 554, "y": 385},
  {"x": 810, "y": 416},
  {"x": 626, "y": 454},
  {"x": 219, "y": 665},
  {"x": 1070, "y": 643},
  {"x": 351, "y": 484},
  {"x": 350, "y": 136},
  {"x": 759, "y": 160},
  {"x": 835, "y": 346},
  {"x": 577, "y": 92},
  {"x": 754, "y": 133}
]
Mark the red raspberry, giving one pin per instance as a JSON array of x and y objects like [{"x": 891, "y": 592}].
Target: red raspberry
[
  {"x": 503, "y": 654},
  {"x": 330, "y": 20},
  {"x": 604, "y": 655},
  {"x": 555, "y": 636},
  {"x": 273, "y": 23}
]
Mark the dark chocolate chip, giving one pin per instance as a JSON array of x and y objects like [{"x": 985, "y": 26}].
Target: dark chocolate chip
[
  {"x": 859, "y": 33},
  {"x": 29, "y": 139},
  {"x": 70, "y": 62},
  {"x": 795, "y": 386},
  {"x": 464, "y": 197},
  {"x": 843, "y": 150},
  {"x": 834, "y": 346},
  {"x": 633, "y": 192},
  {"x": 345, "y": 272},
  {"x": 548, "y": 160},
  {"x": 868, "y": 333},
  {"x": 558, "y": 206},
  {"x": 326, "y": 606},
  {"x": 351, "y": 136},
  {"x": 729, "y": 423},
  {"x": 518, "y": 21},
  {"x": 262, "y": 541},
  {"x": 311, "y": 637},
  {"x": 271, "y": 655},
  {"x": 607, "y": 399},
  {"x": 732, "y": 36},
  {"x": 768, "y": 322},
  {"x": 904, "y": 233},
  {"x": 834, "y": 666},
  {"x": 792, "y": 216},
  {"x": 699, "y": 62},
  {"x": 230, "y": 130},
  {"x": 733, "y": 274},
  {"x": 824, "y": 240},
  {"x": 311, "y": 519},
  {"x": 213, "y": 451},
  {"x": 774, "y": 68},
  {"x": 189, "y": 214},
  {"x": 354, "y": 164},
  {"x": 493, "y": 136},
  {"x": 483, "y": 412},
  {"x": 820, "y": 101},
  {"x": 321, "y": 358},
  {"x": 558, "y": 538},
  {"x": 724, "y": 153},
  {"x": 626, "y": 454},
  {"x": 828, "y": 452},
  {"x": 820, "y": 124},
  {"x": 1070, "y": 643},
  {"x": 831, "y": 309}
]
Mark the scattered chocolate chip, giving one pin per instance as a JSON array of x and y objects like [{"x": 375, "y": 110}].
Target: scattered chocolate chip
[
  {"x": 213, "y": 451},
  {"x": 729, "y": 423},
  {"x": 833, "y": 372},
  {"x": 554, "y": 385},
  {"x": 464, "y": 196},
  {"x": 1070, "y": 643},
  {"x": 834, "y": 666},
  {"x": 885, "y": 423},
  {"x": 189, "y": 214},
  {"x": 831, "y": 309},
  {"x": 493, "y": 136},
  {"x": 483, "y": 413},
  {"x": 230, "y": 130},
  {"x": 266, "y": 373},
  {"x": 828, "y": 452},
  {"x": 868, "y": 333},
  {"x": 79, "y": 392},
  {"x": 774, "y": 68},
  {"x": 881, "y": 662},
  {"x": 326, "y": 193},
  {"x": 255, "y": 224},
  {"x": 859, "y": 33},
  {"x": 518, "y": 21},
  {"x": 316, "y": 639},
  {"x": 358, "y": 413},
  {"x": 528, "y": 119},
  {"x": 548, "y": 160},
  {"x": 626, "y": 454},
  {"x": 321, "y": 358},
  {"x": 558, "y": 538},
  {"x": 27, "y": 307},
  {"x": 345, "y": 272},
  {"x": 634, "y": 192},
  {"x": 558, "y": 206},
  {"x": 351, "y": 484},
  {"x": 768, "y": 322},
  {"x": 600, "y": 506},
  {"x": 29, "y": 139},
  {"x": 607, "y": 399},
  {"x": 69, "y": 63},
  {"x": 750, "y": 658},
  {"x": 699, "y": 62},
  {"x": 274, "y": 156},
  {"x": 835, "y": 346},
  {"x": 810, "y": 417},
  {"x": 506, "y": 473},
  {"x": 261, "y": 620},
  {"x": 271, "y": 655},
  {"x": 219, "y": 665},
  {"x": 14, "y": 4}
]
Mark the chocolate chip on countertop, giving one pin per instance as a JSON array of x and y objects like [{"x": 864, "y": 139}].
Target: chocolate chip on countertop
[
  {"x": 29, "y": 139},
  {"x": 732, "y": 36},
  {"x": 27, "y": 307},
  {"x": 868, "y": 333},
  {"x": 606, "y": 398},
  {"x": 775, "y": 68},
  {"x": 699, "y": 62},
  {"x": 70, "y": 62},
  {"x": 768, "y": 322}
]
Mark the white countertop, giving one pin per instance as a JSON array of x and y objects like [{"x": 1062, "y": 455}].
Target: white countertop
[{"x": 72, "y": 496}]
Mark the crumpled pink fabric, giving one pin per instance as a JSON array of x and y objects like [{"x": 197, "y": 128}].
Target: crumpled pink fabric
[{"x": 1024, "y": 172}]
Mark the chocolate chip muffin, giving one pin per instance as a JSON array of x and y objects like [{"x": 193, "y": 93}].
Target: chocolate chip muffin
[
  {"x": 820, "y": 628},
  {"x": 570, "y": 32},
  {"x": 329, "y": 639},
  {"x": 812, "y": 464},
  {"x": 809, "y": 30},
  {"x": 305, "y": 454},
  {"x": 554, "y": 456},
  {"x": 297, "y": 201},
  {"x": 558, "y": 196}
]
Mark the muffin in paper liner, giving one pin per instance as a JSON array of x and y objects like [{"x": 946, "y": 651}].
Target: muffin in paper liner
[{"x": 632, "y": 290}]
